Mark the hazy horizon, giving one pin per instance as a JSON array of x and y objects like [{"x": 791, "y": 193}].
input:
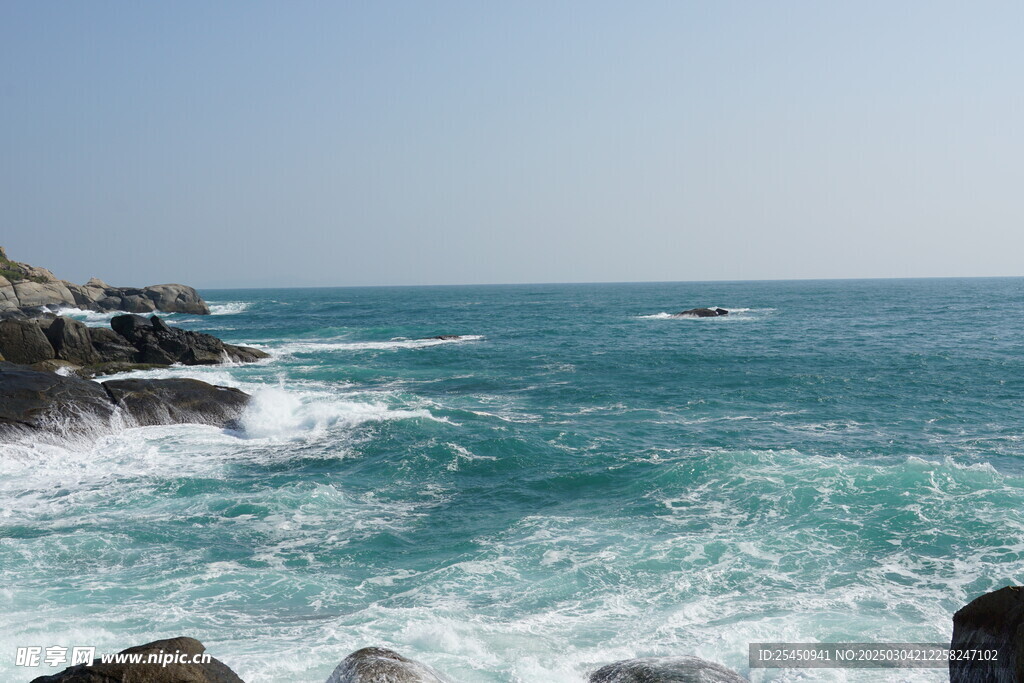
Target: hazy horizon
[{"x": 260, "y": 144}]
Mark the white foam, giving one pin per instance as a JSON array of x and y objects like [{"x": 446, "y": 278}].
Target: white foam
[
  {"x": 96, "y": 318},
  {"x": 229, "y": 308},
  {"x": 276, "y": 413},
  {"x": 290, "y": 348}
]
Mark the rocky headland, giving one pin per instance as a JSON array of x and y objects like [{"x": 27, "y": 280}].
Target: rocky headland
[
  {"x": 26, "y": 289},
  {"x": 47, "y": 361}
]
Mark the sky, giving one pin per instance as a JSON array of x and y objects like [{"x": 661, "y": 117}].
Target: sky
[{"x": 262, "y": 144}]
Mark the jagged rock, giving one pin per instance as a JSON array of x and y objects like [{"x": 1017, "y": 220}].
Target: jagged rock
[
  {"x": 379, "y": 665},
  {"x": 175, "y": 401},
  {"x": 244, "y": 354},
  {"x": 665, "y": 670},
  {"x": 112, "y": 347},
  {"x": 72, "y": 341},
  {"x": 23, "y": 341},
  {"x": 702, "y": 313},
  {"x": 994, "y": 621},
  {"x": 48, "y": 401},
  {"x": 159, "y": 343},
  {"x": 213, "y": 671}
]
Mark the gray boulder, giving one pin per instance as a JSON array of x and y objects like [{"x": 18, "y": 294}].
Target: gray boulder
[
  {"x": 31, "y": 293},
  {"x": 379, "y": 665},
  {"x": 177, "y": 299},
  {"x": 177, "y": 401},
  {"x": 665, "y": 670},
  {"x": 23, "y": 341},
  {"x": 994, "y": 621},
  {"x": 213, "y": 671},
  {"x": 23, "y": 285}
]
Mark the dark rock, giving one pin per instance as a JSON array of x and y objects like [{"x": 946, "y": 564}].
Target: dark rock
[
  {"x": 446, "y": 337},
  {"x": 244, "y": 354},
  {"x": 665, "y": 670},
  {"x": 702, "y": 313},
  {"x": 158, "y": 324},
  {"x": 130, "y": 326},
  {"x": 378, "y": 665},
  {"x": 174, "y": 401},
  {"x": 112, "y": 347},
  {"x": 45, "y": 400},
  {"x": 158, "y": 343},
  {"x": 995, "y": 621},
  {"x": 72, "y": 341},
  {"x": 213, "y": 671},
  {"x": 23, "y": 341}
]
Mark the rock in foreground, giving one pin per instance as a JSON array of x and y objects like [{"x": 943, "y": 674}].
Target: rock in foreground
[
  {"x": 177, "y": 401},
  {"x": 46, "y": 401},
  {"x": 665, "y": 670},
  {"x": 39, "y": 401},
  {"x": 379, "y": 665},
  {"x": 995, "y": 621},
  {"x": 188, "y": 649},
  {"x": 702, "y": 313}
]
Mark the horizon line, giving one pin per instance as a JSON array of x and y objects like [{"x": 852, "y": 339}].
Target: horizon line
[{"x": 633, "y": 282}]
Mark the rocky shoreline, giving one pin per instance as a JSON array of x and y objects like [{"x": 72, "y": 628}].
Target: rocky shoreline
[
  {"x": 993, "y": 622},
  {"x": 47, "y": 361}
]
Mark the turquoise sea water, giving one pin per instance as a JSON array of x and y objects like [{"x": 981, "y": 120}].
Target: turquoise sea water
[{"x": 582, "y": 479}]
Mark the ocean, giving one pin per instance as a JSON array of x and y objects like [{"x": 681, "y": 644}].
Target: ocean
[{"x": 580, "y": 478}]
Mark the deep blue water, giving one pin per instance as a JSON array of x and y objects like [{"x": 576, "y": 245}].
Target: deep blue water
[{"x": 581, "y": 479}]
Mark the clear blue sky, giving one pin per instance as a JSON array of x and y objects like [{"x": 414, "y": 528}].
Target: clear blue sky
[{"x": 336, "y": 143}]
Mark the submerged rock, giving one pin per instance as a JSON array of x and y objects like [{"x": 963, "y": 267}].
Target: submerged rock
[
  {"x": 379, "y": 665},
  {"x": 665, "y": 670},
  {"x": 188, "y": 671},
  {"x": 177, "y": 401},
  {"x": 446, "y": 337},
  {"x": 702, "y": 313},
  {"x": 995, "y": 621}
]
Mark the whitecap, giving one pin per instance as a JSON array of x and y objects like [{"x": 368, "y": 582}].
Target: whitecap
[
  {"x": 229, "y": 308},
  {"x": 290, "y": 348}
]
